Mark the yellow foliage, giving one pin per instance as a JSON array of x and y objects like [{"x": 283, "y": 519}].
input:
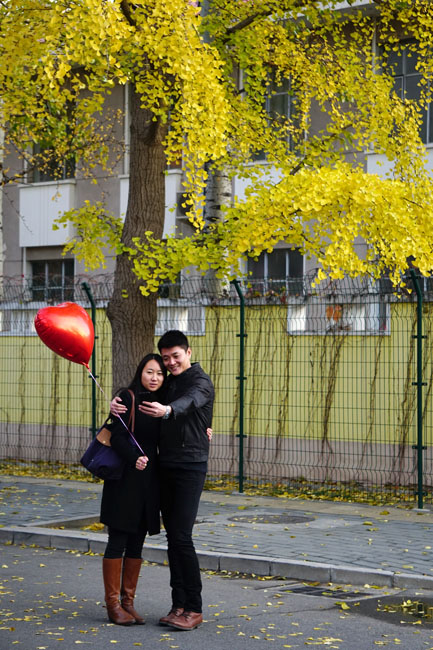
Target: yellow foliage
[
  {"x": 209, "y": 77},
  {"x": 96, "y": 229}
]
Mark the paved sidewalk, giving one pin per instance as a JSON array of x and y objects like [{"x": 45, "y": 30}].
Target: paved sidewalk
[{"x": 304, "y": 540}]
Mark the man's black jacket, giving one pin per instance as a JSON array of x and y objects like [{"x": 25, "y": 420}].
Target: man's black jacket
[{"x": 183, "y": 436}]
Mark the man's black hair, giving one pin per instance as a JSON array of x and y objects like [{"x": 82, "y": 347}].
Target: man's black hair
[{"x": 173, "y": 338}]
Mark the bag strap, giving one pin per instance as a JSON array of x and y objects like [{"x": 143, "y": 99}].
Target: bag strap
[{"x": 131, "y": 422}]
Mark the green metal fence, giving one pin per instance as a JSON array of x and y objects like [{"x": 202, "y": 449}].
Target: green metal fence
[{"x": 324, "y": 389}]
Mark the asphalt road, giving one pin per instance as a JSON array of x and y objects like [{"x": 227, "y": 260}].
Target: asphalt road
[{"x": 52, "y": 599}]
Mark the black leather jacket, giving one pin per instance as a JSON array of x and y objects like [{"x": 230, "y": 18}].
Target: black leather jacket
[{"x": 183, "y": 436}]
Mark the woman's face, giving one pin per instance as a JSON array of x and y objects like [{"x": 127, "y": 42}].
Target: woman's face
[{"x": 152, "y": 376}]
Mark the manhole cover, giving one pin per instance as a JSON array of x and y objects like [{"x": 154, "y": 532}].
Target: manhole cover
[
  {"x": 324, "y": 592},
  {"x": 271, "y": 519}
]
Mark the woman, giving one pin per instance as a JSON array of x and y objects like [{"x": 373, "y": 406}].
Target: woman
[{"x": 130, "y": 505}]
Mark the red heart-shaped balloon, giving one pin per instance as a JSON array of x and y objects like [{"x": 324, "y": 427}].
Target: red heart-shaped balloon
[{"x": 67, "y": 329}]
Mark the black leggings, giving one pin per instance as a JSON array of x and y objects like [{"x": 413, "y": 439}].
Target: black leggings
[{"x": 125, "y": 544}]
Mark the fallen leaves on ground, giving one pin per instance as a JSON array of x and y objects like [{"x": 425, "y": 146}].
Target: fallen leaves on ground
[{"x": 298, "y": 488}]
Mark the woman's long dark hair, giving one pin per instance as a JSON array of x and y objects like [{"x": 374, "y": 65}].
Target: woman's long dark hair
[{"x": 136, "y": 384}]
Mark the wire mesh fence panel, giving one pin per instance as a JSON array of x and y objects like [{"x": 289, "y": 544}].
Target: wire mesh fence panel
[
  {"x": 328, "y": 403},
  {"x": 44, "y": 399},
  {"x": 331, "y": 400}
]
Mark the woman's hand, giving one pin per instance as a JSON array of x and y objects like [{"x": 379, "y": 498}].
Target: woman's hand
[
  {"x": 141, "y": 462},
  {"x": 117, "y": 407},
  {"x": 209, "y": 433}
]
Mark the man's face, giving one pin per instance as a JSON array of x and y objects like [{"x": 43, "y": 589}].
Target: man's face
[{"x": 176, "y": 359}]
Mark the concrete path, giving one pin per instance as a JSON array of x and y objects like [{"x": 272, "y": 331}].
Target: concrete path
[{"x": 304, "y": 540}]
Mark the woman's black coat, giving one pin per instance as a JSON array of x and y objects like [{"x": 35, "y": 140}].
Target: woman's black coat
[{"x": 132, "y": 503}]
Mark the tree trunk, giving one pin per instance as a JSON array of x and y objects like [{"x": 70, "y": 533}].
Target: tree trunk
[
  {"x": 218, "y": 193},
  {"x": 132, "y": 315}
]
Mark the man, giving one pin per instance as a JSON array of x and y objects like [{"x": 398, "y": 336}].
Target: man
[{"x": 183, "y": 455}]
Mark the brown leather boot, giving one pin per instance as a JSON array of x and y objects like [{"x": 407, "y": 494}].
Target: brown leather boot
[
  {"x": 131, "y": 571},
  {"x": 111, "y": 570}
]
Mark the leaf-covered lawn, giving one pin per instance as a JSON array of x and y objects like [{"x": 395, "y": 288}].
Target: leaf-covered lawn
[{"x": 297, "y": 489}]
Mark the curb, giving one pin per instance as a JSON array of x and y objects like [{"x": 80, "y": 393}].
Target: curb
[{"x": 217, "y": 561}]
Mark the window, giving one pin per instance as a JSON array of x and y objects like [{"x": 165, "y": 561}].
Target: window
[
  {"x": 276, "y": 274},
  {"x": 385, "y": 286},
  {"x": 18, "y": 321},
  {"x": 171, "y": 290},
  {"x": 45, "y": 163},
  {"x": 190, "y": 319},
  {"x": 47, "y": 167},
  {"x": 280, "y": 105},
  {"x": 365, "y": 315},
  {"x": 278, "y": 102},
  {"x": 180, "y": 307},
  {"x": 407, "y": 83},
  {"x": 53, "y": 280}
]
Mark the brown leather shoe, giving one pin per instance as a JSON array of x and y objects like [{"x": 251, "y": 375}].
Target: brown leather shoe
[
  {"x": 172, "y": 615},
  {"x": 187, "y": 621}
]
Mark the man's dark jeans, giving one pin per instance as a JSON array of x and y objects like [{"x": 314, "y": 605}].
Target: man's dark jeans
[{"x": 180, "y": 497}]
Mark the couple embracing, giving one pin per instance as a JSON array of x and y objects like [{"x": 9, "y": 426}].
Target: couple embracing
[{"x": 173, "y": 416}]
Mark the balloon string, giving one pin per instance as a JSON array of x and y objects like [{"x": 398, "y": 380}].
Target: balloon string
[
  {"x": 100, "y": 388},
  {"x": 108, "y": 400}
]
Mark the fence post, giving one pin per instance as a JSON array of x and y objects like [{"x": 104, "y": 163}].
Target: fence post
[
  {"x": 241, "y": 379},
  {"x": 88, "y": 291},
  {"x": 419, "y": 384}
]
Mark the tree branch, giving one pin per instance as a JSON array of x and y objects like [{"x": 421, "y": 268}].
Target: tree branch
[
  {"x": 246, "y": 22},
  {"x": 126, "y": 10},
  {"x": 261, "y": 14},
  {"x": 5, "y": 179}
]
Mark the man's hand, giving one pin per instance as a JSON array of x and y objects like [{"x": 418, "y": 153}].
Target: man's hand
[
  {"x": 209, "y": 433},
  {"x": 117, "y": 407},
  {"x": 154, "y": 409}
]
